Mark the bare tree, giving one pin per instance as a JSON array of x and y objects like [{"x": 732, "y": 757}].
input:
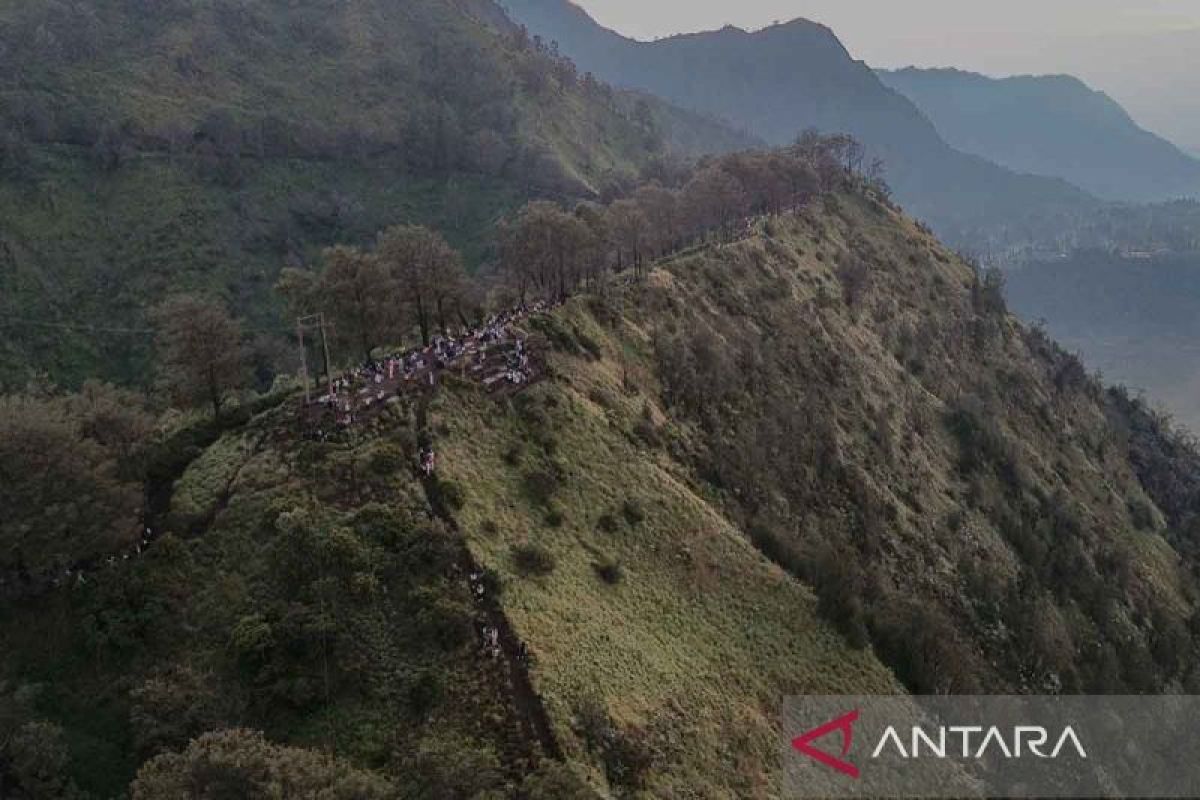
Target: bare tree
[{"x": 630, "y": 230}]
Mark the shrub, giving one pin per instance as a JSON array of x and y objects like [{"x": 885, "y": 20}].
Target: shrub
[
  {"x": 452, "y": 494},
  {"x": 627, "y": 759},
  {"x": 540, "y": 485},
  {"x": 855, "y": 276},
  {"x": 607, "y": 523},
  {"x": 610, "y": 571},
  {"x": 555, "y": 516},
  {"x": 840, "y": 584},
  {"x": 1142, "y": 514},
  {"x": 645, "y": 429},
  {"x": 982, "y": 441},
  {"x": 600, "y": 397},
  {"x": 555, "y": 781},
  {"x": 532, "y": 560},
  {"x": 633, "y": 512}
]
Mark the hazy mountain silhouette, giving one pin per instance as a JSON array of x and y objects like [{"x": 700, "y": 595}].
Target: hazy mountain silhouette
[
  {"x": 788, "y": 77},
  {"x": 1050, "y": 125}
]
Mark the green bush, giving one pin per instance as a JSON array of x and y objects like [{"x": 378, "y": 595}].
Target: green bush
[
  {"x": 555, "y": 781},
  {"x": 451, "y": 494},
  {"x": 633, "y": 512},
  {"x": 607, "y": 523},
  {"x": 532, "y": 560},
  {"x": 387, "y": 460},
  {"x": 540, "y": 485},
  {"x": 610, "y": 571}
]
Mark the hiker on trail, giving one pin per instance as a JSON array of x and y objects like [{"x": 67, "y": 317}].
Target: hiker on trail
[{"x": 428, "y": 460}]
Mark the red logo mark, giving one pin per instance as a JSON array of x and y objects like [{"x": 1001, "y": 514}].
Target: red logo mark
[{"x": 845, "y": 724}]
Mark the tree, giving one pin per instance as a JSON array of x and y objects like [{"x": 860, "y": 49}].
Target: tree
[
  {"x": 544, "y": 247},
  {"x": 115, "y": 418},
  {"x": 33, "y": 763},
  {"x": 661, "y": 208},
  {"x": 242, "y": 764},
  {"x": 359, "y": 294},
  {"x": 715, "y": 199},
  {"x": 630, "y": 229},
  {"x": 63, "y": 498},
  {"x": 427, "y": 270},
  {"x": 200, "y": 347},
  {"x": 595, "y": 252}
]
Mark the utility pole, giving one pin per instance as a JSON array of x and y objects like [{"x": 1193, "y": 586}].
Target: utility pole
[
  {"x": 303, "y": 361},
  {"x": 325, "y": 349},
  {"x": 314, "y": 321}
]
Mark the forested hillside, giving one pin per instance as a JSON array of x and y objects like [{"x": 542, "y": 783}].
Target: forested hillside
[
  {"x": 150, "y": 147},
  {"x": 750, "y": 434}
]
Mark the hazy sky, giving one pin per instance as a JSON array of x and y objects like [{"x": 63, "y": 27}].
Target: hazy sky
[
  {"x": 888, "y": 32},
  {"x": 1145, "y": 53}
]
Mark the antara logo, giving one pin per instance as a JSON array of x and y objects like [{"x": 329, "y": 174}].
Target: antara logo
[
  {"x": 844, "y": 724},
  {"x": 954, "y": 741}
]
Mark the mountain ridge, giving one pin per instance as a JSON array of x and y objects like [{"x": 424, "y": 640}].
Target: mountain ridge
[
  {"x": 782, "y": 79},
  {"x": 1054, "y": 125}
]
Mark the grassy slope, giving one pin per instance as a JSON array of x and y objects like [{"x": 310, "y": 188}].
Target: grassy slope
[
  {"x": 703, "y": 636},
  {"x": 926, "y": 513},
  {"x": 701, "y": 639}
]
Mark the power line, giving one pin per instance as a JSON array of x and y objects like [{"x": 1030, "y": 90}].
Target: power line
[
  {"x": 33, "y": 323},
  {"x": 13, "y": 321}
]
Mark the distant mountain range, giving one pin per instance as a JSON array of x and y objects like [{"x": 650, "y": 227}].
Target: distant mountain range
[
  {"x": 1051, "y": 125},
  {"x": 783, "y": 79}
]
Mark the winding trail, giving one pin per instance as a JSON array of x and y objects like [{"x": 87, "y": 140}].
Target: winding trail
[{"x": 534, "y": 720}]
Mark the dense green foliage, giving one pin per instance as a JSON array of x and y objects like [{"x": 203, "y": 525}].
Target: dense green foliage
[
  {"x": 157, "y": 147},
  {"x": 68, "y": 486}
]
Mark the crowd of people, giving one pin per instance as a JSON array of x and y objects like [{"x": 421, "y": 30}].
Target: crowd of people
[{"x": 495, "y": 353}]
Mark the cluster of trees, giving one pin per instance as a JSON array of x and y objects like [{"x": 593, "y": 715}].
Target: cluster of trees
[
  {"x": 70, "y": 476},
  {"x": 74, "y": 466},
  {"x": 242, "y": 763},
  {"x": 412, "y": 279},
  {"x": 552, "y": 251}
]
